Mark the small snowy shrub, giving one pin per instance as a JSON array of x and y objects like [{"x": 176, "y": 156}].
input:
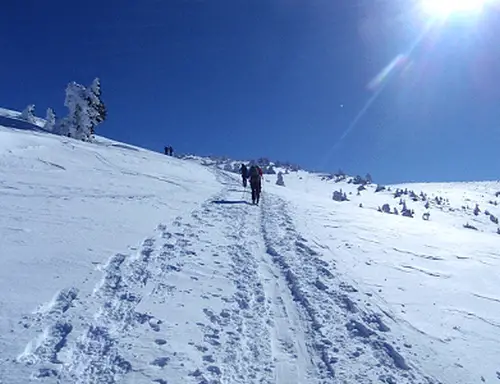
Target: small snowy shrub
[
  {"x": 386, "y": 208},
  {"x": 494, "y": 219},
  {"x": 28, "y": 114},
  {"x": 477, "y": 211},
  {"x": 50, "y": 120},
  {"x": 468, "y": 226},
  {"x": 379, "y": 188},
  {"x": 280, "y": 180},
  {"x": 426, "y": 216},
  {"x": 339, "y": 196},
  {"x": 407, "y": 213}
]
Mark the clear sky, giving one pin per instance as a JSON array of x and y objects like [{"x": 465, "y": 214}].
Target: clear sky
[{"x": 285, "y": 79}]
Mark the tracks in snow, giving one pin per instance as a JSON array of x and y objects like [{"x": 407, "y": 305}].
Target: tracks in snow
[
  {"x": 347, "y": 342},
  {"x": 227, "y": 294}
]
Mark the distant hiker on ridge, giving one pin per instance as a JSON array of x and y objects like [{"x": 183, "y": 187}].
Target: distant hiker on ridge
[
  {"x": 244, "y": 174},
  {"x": 255, "y": 175}
]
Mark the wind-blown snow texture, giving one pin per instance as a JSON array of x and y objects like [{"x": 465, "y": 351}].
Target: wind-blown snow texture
[{"x": 124, "y": 266}]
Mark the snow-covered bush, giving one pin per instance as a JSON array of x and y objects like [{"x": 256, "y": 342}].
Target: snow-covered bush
[
  {"x": 468, "y": 226},
  {"x": 339, "y": 196},
  {"x": 407, "y": 213},
  {"x": 494, "y": 219},
  {"x": 386, "y": 208},
  {"x": 269, "y": 170},
  {"x": 379, "y": 188},
  {"x": 396, "y": 212},
  {"x": 28, "y": 114},
  {"x": 426, "y": 216},
  {"x": 50, "y": 120},
  {"x": 413, "y": 196},
  {"x": 398, "y": 193},
  {"x": 427, "y": 205},
  {"x": 280, "y": 180},
  {"x": 477, "y": 211},
  {"x": 358, "y": 180}
]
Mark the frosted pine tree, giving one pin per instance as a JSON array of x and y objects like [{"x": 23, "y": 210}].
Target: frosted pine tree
[
  {"x": 79, "y": 121},
  {"x": 28, "y": 114},
  {"x": 50, "y": 120},
  {"x": 97, "y": 109}
]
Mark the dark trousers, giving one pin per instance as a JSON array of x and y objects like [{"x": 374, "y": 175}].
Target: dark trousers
[{"x": 256, "y": 188}]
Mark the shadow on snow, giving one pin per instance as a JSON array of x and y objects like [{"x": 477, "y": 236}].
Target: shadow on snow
[{"x": 231, "y": 202}]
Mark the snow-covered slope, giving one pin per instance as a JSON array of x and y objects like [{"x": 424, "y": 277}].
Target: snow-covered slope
[{"x": 120, "y": 265}]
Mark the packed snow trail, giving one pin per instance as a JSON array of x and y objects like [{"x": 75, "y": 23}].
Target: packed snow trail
[
  {"x": 348, "y": 342},
  {"x": 230, "y": 293}
]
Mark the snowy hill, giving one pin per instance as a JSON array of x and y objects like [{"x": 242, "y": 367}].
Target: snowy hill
[{"x": 120, "y": 265}]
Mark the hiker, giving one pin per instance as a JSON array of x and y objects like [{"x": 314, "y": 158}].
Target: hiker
[
  {"x": 171, "y": 151},
  {"x": 244, "y": 174},
  {"x": 166, "y": 150},
  {"x": 255, "y": 175}
]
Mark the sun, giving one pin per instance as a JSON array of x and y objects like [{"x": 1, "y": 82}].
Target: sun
[{"x": 445, "y": 8}]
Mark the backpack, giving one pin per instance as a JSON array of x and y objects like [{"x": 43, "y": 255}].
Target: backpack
[{"x": 254, "y": 172}]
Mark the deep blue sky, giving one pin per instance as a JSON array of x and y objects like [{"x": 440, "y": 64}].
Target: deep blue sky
[{"x": 277, "y": 78}]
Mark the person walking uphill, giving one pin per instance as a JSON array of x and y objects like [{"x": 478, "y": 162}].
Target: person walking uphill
[
  {"x": 255, "y": 175},
  {"x": 244, "y": 174}
]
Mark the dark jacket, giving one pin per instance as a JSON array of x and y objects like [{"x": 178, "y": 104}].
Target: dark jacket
[{"x": 244, "y": 171}]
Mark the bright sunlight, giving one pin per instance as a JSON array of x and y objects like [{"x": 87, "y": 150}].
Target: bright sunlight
[{"x": 445, "y": 8}]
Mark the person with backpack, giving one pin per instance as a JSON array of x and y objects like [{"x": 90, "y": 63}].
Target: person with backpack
[
  {"x": 244, "y": 174},
  {"x": 255, "y": 175}
]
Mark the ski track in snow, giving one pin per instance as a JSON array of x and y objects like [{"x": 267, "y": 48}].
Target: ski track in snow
[{"x": 275, "y": 312}]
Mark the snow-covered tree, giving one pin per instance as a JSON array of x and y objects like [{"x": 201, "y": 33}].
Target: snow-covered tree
[
  {"x": 280, "y": 180},
  {"x": 79, "y": 120},
  {"x": 86, "y": 110},
  {"x": 50, "y": 120},
  {"x": 28, "y": 114},
  {"x": 97, "y": 107}
]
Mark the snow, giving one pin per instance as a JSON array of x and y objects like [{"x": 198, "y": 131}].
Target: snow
[{"x": 120, "y": 265}]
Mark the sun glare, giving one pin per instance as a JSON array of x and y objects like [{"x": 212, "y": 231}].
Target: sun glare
[{"x": 445, "y": 8}]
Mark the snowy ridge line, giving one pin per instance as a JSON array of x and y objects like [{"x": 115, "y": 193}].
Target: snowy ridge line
[{"x": 352, "y": 344}]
